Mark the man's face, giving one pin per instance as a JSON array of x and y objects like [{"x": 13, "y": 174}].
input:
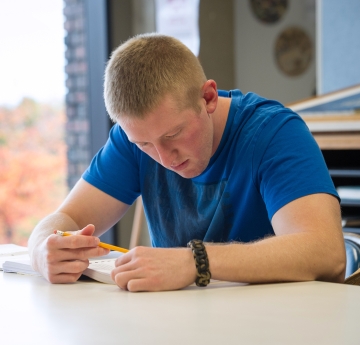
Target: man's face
[{"x": 180, "y": 140}]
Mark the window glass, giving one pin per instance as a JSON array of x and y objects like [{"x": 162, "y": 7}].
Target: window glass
[{"x": 32, "y": 115}]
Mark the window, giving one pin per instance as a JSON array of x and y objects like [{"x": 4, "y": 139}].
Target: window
[{"x": 32, "y": 115}]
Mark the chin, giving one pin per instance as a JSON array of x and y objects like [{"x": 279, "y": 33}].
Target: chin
[
  {"x": 187, "y": 175},
  {"x": 190, "y": 174}
]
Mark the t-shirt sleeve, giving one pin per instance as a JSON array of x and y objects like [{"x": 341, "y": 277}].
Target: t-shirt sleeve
[
  {"x": 115, "y": 168},
  {"x": 288, "y": 163}
]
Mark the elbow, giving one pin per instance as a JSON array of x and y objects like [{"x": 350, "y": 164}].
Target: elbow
[
  {"x": 338, "y": 275},
  {"x": 335, "y": 266}
]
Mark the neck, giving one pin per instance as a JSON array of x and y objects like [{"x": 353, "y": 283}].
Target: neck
[{"x": 219, "y": 117}]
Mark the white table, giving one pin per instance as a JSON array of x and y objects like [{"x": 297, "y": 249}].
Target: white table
[{"x": 32, "y": 311}]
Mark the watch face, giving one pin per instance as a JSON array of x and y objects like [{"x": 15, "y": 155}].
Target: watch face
[
  {"x": 269, "y": 11},
  {"x": 293, "y": 51}
]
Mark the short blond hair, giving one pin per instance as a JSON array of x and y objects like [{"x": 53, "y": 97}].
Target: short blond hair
[{"x": 147, "y": 67}]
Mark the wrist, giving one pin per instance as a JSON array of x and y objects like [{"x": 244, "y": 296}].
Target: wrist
[{"x": 203, "y": 274}]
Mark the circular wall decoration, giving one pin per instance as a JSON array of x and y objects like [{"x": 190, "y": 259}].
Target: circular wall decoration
[
  {"x": 269, "y": 11},
  {"x": 293, "y": 51}
]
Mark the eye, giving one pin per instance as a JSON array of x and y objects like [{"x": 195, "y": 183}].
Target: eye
[
  {"x": 173, "y": 136},
  {"x": 141, "y": 145}
]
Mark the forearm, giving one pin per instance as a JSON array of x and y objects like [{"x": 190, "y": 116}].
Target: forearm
[{"x": 293, "y": 257}]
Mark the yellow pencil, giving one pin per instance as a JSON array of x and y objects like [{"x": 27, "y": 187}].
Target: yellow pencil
[{"x": 101, "y": 244}]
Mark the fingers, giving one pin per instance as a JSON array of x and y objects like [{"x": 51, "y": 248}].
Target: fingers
[
  {"x": 129, "y": 267},
  {"x": 80, "y": 246},
  {"x": 136, "y": 281},
  {"x": 122, "y": 272},
  {"x": 65, "y": 266},
  {"x": 63, "y": 278},
  {"x": 137, "y": 285},
  {"x": 121, "y": 279},
  {"x": 73, "y": 269},
  {"x": 66, "y": 257},
  {"x": 72, "y": 242},
  {"x": 129, "y": 262},
  {"x": 69, "y": 267},
  {"x": 54, "y": 256},
  {"x": 88, "y": 230},
  {"x": 65, "y": 272},
  {"x": 124, "y": 259},
  {"x": 154, "y": 269},
  {"x": 133, "y": 280}
]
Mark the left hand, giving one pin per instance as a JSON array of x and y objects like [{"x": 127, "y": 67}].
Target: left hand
[{"x": 155, "y": 269}]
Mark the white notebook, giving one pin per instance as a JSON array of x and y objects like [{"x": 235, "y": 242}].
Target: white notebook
[
  {"x": 11, "y": 251},
  {"x": 99, "y": 268}
]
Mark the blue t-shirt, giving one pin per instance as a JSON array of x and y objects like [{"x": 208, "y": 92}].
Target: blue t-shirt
[{"x": 267, "y": 158}]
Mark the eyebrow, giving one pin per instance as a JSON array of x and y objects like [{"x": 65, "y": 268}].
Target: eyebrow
[{"x": 163, "y": 135}]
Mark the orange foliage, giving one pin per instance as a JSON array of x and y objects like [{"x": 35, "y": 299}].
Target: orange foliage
[{"x": 32, "y": 167}]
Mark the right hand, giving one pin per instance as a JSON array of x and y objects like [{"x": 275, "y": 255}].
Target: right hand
[{"x": 62, "y": 259}]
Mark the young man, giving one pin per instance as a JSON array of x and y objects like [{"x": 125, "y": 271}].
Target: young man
[{"x": 238, "y": 172}]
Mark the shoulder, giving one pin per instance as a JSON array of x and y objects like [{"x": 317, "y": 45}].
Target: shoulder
[
  {"x": 258, "y": 118},
  {"x": 252, "y": 109}
]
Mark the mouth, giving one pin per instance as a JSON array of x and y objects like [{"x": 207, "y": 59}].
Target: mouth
[{"x": 181, "y": 166}]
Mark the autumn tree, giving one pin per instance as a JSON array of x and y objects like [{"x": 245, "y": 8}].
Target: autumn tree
[{"x": 32, "y": 167}]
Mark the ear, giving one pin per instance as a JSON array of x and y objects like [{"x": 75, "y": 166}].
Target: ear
[{"x": 210, "y": 95}]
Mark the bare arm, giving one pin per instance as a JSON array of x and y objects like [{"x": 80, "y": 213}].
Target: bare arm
[
  {"x": 308, "y": 246},
  {"x": 62, "y": 259}
]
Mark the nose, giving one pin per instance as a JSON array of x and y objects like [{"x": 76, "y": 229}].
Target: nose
[{"x": 166, "y": 154}]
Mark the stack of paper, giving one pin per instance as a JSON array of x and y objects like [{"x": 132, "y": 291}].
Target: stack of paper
[
  {"x": 99, "y": 268},
  {"x": 11, "y": 252}
]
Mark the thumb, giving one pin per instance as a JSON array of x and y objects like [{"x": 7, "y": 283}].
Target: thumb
[{"x": 88, "y": 230}]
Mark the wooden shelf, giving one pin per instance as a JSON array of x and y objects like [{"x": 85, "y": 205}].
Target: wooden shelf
[
  {"x": 335, "y": 132},
  {"x": 338, "y": 141},
  {"x": 334, "y": 121}
]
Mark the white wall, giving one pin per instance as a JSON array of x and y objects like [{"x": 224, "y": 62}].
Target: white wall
[{"x": 256, "y": 68}]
